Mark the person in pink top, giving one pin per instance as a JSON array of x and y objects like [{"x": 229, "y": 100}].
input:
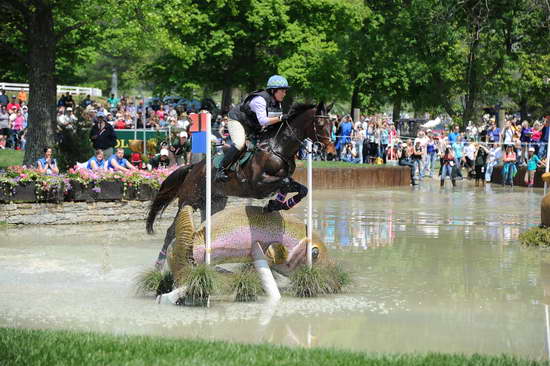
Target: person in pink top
[{"x": 509, "y": 169}]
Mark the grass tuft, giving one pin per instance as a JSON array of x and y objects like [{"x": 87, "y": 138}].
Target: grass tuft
[
  {"x": 200, "y": 283},
  {"x": 247, "y": 285},
  {"x": 154, "y": 281},
  {"x": 335, "y": 277},
  {"x": 536, "y": 237},
  {"x": 307, "y": 282}
]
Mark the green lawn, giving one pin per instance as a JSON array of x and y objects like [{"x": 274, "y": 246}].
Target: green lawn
[
  {"x": 9, "y": 157},
  {"x": 34, "y": 347}
]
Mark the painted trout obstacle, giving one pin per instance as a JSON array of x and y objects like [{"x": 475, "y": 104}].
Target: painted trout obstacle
[{"x": 270, "y": 241}]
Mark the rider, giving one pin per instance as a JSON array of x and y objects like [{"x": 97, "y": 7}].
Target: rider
[{"x": 258, "y": 110}]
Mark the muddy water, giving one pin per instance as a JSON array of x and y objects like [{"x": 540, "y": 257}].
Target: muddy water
[{"x": 434, "y": 271}]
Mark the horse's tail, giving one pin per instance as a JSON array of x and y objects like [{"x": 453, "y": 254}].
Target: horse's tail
[{"x": 167, "y": 193}]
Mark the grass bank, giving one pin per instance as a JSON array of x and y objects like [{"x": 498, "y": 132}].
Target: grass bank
[
  {"x": 37, "y": 347},
  {"x": 9, "y": 157}
]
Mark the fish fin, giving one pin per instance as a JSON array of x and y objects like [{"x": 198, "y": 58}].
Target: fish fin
[
  {"x": 277, "y": 253},
  {"x": 185, "y": 231},
  {"x": 200, "y": 236}
]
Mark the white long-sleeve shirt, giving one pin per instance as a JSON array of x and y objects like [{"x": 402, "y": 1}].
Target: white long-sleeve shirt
[{"x": 258, "y": 106}]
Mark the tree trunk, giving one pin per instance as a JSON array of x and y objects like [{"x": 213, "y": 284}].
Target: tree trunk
[
  {"x": 354, "y": 99},
  {"x": 42, "y": 122},
  {"x": 114, "y": 82},
  {"x": 227, "y": 99},
  {"x": 523, "y": 109},
  {"x": 471, "y": 80},
  {"x": 396, "y": 113}
]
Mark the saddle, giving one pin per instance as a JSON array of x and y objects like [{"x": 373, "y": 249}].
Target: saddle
[{"x": 248, "y": 152}]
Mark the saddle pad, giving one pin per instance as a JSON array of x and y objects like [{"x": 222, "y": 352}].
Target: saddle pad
[{"x": 217, "y": 160}]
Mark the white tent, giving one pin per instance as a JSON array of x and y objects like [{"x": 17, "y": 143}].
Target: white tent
[{"x": 432, "y": 123}]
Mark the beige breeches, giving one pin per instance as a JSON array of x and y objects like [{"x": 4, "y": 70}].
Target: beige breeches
[{"x": 236, "y": 131}]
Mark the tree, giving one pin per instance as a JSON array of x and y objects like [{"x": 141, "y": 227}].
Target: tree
[{"x": 33, "y": 33}]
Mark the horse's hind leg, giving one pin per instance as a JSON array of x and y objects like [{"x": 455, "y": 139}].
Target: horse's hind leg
[{"x": 168, "y": 239}]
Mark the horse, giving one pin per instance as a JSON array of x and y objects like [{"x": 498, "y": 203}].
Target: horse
[{"x": 267, "y": 172}]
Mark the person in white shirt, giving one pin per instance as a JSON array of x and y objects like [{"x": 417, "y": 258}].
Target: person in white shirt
[{"x": 258, "y": 110}]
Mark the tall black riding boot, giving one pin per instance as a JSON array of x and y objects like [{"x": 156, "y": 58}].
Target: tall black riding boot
[
  {"x": 228, "y": 159},
  {"x": 453, "y": 181}
]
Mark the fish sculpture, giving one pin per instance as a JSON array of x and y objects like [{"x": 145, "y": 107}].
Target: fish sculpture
[{"x": 235, "y": 230}]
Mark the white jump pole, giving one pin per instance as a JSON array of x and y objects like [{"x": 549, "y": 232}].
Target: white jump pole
[
  {"x": 309, "y": 147},
  {"x": 208, "y": 118},
  {"x": 547, "y": 330}
]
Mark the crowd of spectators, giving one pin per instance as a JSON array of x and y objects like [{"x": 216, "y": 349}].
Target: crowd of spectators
[
  {"x": 13, "y": 120},
  {"x": 472, "y": 152}
]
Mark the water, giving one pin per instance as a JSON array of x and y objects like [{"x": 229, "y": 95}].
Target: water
[{"x": 434, "y": 271}]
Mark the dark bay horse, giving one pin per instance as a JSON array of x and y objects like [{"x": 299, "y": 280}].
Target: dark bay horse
[{"x": 267, "y": 172}]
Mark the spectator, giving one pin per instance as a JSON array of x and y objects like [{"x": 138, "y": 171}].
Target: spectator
[
  {"x": 525, "y": 138},
  {"x": 349, "y": 154},
  {"x": 469, "y": 157},
  {"x": 120, "y": 123},
  {"x": 507, "y": 136},
  {"x": 458, "y": 154},
  {"x": 448, "y": 162},
  {"x": 543, "y": 141},
  {"x": 384, "y": 141},
  {"x": 417, "y": 154},
  {"x": 160, "y": 160},
  {"x": 47, "y": 165},
  {"x": 431, "y": 155},
  {"x": 453, "y": 135},
  {"x": 4, "y": 123},
  {"x": 2, "y": 142},
  {"x": 181, "y": 149},
  {"x": 97, "y": 162},
  {"x": 481, "y": 153},
  {"x": 4, "y": 100},
  {"x": 533, "y": 161},
  {"x": 69, "y": 101},
  {"x": 358, "y": 137},
  {"x": 86, "y": 102},
  {"x": 17, "y": 123},
  {"x": 113, "y": 103},
  {"x": 103, "y": 135},
  {"x": 509, "y": 169},
  {"x": 22, "y": 96},
  {"x": 406, "y": 160},
  {"x": 118, "y": 163},
  {"x": 344, "y": 134},
  {"x": 13, "y": 105},
  {"x": 492, "y": 160}
]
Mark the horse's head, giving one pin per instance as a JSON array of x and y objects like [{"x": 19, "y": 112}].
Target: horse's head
[
  {"x": 322, "y": 127},
  {"x": 313, "y": 122}
]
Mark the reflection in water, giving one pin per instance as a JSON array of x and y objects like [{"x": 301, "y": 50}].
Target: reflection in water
[{"x": 433, "y": 271}]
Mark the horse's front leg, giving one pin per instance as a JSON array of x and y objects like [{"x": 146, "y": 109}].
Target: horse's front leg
[{"x": 291, "y": 186}]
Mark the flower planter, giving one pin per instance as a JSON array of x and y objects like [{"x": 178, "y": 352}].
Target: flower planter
[
  {"x": 55, "y": 195},
  {"x": 81, "y": 192},
  {"x": 24, "y": 192},
  {"x": 142, "y": 192},
  {"x": 5, "y": 193},
  {"x": 145, "y": 193},
  {"x": 109, "y": 191}
]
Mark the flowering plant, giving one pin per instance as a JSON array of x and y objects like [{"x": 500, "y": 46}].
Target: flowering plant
[{"x": 45, "y": 185}]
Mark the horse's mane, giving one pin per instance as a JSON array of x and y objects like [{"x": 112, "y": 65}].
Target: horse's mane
[{"x": 299, "y": 108}]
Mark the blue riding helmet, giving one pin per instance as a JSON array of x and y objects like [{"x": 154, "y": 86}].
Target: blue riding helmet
[{"x": 277, "y": 82}]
